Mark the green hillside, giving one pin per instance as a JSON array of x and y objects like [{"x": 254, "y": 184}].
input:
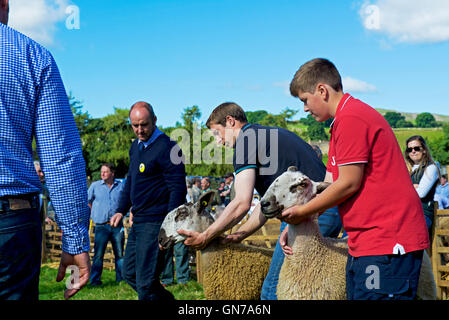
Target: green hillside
[
  {"x": 412, "y": 116},
  {"x": 402, "y": 134}
]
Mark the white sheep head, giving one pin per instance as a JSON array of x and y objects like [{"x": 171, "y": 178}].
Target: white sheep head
[
  {"x": 189, "y": 216},
  {"x": 289, "y": 189}
]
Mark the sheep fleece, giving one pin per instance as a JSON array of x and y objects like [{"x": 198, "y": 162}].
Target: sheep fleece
[{"x": 234, "y": 271}]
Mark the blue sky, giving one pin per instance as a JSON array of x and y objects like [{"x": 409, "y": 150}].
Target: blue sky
[{"x": 175, "y": 54}]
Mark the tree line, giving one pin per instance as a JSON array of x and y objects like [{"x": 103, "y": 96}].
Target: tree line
[{"x": 108, "y": 139}]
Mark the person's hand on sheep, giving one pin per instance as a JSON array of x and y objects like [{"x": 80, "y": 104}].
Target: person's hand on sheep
[
  {"x": 196, "y": 240},
  {"x": 235, "y": 237},
  {"x": 283, "y": 241},
  {"x": 293, "y": 215}
]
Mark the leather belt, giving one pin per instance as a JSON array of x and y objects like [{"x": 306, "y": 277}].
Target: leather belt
[
  {"x": 102, "y": 224},
  {"x": 19, "y": 202}
]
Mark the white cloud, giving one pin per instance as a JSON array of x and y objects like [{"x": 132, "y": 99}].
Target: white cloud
[
  {"x": 284, "y": 85},
  {"x": 408, "y": 21},
  {"x": 349, "y": 84},
  {"x": 355, "y": 85},
  {"x": 37, "y": 18}
]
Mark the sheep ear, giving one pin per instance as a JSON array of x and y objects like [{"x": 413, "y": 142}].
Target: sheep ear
[
  {"x": 321, "y": 186},
  {"x": 204, "y": 201},
  {"x": 292, "y": 168}
]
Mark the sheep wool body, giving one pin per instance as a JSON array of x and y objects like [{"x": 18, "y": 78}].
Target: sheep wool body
[
  {"x": 234, "y": 271},
  {"x": 314, "y": 271}
]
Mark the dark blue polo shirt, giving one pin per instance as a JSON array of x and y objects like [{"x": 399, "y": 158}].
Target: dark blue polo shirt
[{"x": 271, "y": 150}]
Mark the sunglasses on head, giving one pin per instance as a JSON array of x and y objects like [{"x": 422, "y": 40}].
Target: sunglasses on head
[{"x": 417, "y": 149}]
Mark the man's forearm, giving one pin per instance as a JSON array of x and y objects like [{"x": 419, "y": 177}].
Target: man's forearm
[
  {"x": 233, "y": 214},
  {"x": 254, "y": 223}
]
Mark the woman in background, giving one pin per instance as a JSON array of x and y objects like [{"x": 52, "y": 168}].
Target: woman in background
[{"x": 424, "y": 173}]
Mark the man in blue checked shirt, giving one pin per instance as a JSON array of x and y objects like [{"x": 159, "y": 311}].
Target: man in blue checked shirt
[
  {"x": 33, "y": 103},
  {"x": 103, "y": 196}
]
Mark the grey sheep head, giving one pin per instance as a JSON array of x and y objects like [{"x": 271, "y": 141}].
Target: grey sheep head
[
  {"x": 289, "y": 189},
  {"x": 189, "y": 216}
]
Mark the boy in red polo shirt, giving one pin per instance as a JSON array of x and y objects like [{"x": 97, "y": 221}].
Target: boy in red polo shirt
[{"x": 379, "y": 208}]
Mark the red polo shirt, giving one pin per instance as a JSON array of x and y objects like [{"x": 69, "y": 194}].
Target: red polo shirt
[{"x": 385, "y": 215}]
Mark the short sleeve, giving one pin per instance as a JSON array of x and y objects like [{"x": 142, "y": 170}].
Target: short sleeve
[
  {"x": 245, "y": 155},
  {"x": 352, "y": 141}
]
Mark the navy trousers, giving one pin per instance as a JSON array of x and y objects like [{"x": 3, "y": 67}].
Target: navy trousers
[
  {"x": 144, "y": 261},
  {"x": 20, "y": 254},
  {"x": 383, "y": 277}
]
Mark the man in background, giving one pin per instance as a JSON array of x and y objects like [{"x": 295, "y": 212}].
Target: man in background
[
  {"x": 442, "y": 193},
  {"x": 103, "y": 196},
  {"x": 205, "y": 185},
  {"x": 46, "y": 208},
  {"x": 196, "y": 189}
]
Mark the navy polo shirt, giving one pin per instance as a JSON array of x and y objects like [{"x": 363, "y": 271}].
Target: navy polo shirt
[{"x": 271, "y": 150}]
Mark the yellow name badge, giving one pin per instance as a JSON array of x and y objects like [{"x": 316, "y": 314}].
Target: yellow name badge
[{"x": 141, "y": 167}]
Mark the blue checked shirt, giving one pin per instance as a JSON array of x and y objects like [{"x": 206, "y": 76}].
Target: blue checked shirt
[{"x": 33, "y": 102}]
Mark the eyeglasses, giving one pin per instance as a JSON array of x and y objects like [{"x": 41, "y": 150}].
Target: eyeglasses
[{"x": 417, "y": 149}]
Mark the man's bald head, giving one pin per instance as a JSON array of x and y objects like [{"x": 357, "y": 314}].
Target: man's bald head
[
  {"x": 145, "y": 105},
  {"x": 143, "y": 120}
]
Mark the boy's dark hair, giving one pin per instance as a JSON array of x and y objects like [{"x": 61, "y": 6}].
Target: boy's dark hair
[
  {"x": 218, "y": 116},
  {"x": 110, "y": 165},
  {"x": 313, "y": 72}
]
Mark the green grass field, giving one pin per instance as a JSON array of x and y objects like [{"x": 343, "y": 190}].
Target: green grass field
[
  {"x": 402, "y": 134},
  {"x": 49, "y": 289}
]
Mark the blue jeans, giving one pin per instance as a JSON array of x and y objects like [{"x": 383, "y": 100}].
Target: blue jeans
[
  {"x": 330, "y": 226},
  {"x": 330, "y": 223},
  {"x": 20, "y": 254},
  {"x": 103, "y": 234},
  {"x": 271, "y": 280},
  {"x": 383, "y": 277},
  {"x": 144, "y": 261},
  {"x": 181, "y": 252}
]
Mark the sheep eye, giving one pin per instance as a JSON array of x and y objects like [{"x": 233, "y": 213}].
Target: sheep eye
[
  {"x": 182, "y": 214},
  {"x": 294, "y": 188},
  {"x": 303, "y": 184}
]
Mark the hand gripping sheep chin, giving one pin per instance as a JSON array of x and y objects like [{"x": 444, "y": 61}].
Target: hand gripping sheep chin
[
  {"x": 316, "y": 270},
  {"x": 190, "y": 217},
  {"x": 229, "y": 271}
]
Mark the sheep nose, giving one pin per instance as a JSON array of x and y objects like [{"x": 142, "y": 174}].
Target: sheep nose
[{"x": 265, "y": 204}]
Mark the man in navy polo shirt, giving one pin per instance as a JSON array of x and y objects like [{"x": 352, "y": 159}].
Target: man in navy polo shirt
[
  {"x": 154, "y": 186},
  {"x": 261, "y": 155},
  {"x": 103, "y": 196}
]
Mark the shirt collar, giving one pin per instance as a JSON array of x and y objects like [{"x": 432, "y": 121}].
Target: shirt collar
[
  {"x": 341, "y": 105},
  {"x": 246, "y": 126},
  {"x": 113, "y": 183},
  {"x": 153, "y": 137}
]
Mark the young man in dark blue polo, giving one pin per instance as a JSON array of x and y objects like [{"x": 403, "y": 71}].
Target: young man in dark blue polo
[{"x": 261, "y": 155}]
